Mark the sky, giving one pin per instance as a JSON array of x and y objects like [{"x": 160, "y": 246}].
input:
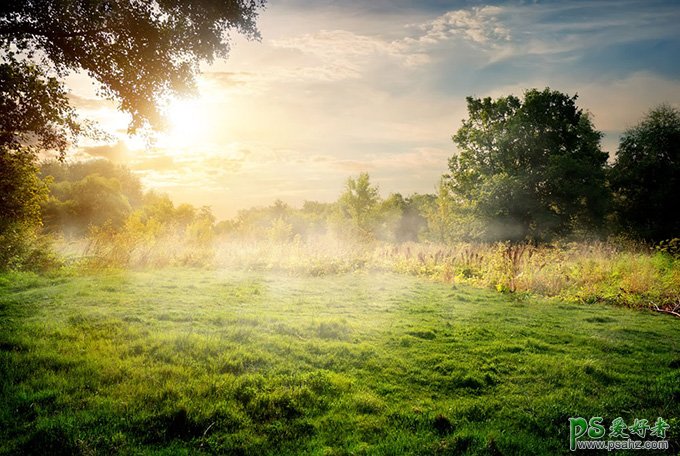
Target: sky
[{"x": 335, "y": 88}]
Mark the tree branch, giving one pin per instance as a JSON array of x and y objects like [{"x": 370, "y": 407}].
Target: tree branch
[
  {"x": 658, "y": 309},
  {"x": 28, "y": 29}
]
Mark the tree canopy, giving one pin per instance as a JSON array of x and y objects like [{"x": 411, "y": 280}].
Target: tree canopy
[
  {"x": 646, "y": 176},
  {"x": 358, "y": 204},
  {"x": 531, "y": 168},
  {"x": 139, "y": 52}
]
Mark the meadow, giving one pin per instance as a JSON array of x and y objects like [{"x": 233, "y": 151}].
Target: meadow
[
  {"x": 520, "y": 282},
  {"x": 262, "y": 361},
  {"x": 630, "y": 274}
]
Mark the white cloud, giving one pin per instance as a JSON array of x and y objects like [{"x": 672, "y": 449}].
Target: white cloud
[
  {"x": 334, "y": 43},
  {"x": 479, "y": 25},
  {"x": 344, "y": 54}
]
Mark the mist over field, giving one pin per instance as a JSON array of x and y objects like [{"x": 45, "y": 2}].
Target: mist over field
[{"x": 339, "y": 228}]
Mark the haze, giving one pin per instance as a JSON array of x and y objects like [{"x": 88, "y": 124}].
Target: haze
[{"x": 337, "y": 88}]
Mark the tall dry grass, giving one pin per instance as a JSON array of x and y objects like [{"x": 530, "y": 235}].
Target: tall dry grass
[
  {"x": 631, "y": 275},
  {"x": 586, "y": 272}
]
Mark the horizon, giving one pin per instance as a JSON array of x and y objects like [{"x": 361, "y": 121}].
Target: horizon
[{"x": 334, "y": 90}]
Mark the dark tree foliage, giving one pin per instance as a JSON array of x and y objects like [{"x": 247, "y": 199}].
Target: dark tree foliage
[
  {"x": 35, "y": 109},
  {"x": 530, "y": 168},
  {"x": 139, "y": 52},
  {"x": 645, "y": 178}
]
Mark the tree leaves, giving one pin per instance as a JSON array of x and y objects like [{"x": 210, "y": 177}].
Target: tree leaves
[
  {"x": 533, "y": 165},
  {"x": 646, "y": 176}
]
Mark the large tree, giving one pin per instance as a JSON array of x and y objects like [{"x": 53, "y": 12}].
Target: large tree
[
  {"x": 646, "y": 176},
  {"x": 531, "y": 168}
]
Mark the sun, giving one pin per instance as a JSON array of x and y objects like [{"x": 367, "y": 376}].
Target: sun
[{"x": 186, "y": 118}]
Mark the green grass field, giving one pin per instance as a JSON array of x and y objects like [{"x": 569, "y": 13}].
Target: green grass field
[{"x": 213, "y": 361}]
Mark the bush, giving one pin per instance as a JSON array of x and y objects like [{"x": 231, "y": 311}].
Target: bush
[
  {"x": 23, "y": 248},
  {"x": 21, "y": 193}
]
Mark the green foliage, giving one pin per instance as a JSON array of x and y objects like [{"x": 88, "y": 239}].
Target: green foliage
[
  {"x": 646, "y": 176},
  {"x": 529, "y": 169},
  {"x": 402, "y": 219},
  {"x": 123, "y": 226},
  {"x": 88, "y": 194},
  {"x": 315, "y": 216},
  {"x": 280, "y": 231},
  {"x": 97, "y": 200},
  {"x": 269, "y": 364},
  {"x": 278, "y": 221},
  {"x": 450, "y": 219},
  {"x": 391, "y": 214},
  {"x": 21, "y": 194},
  {"x": 160, "y": 208},
  {"x": 359, "y": 205},
  {"x": 21, "y": 189},
  {"x": 23, "y": 248},
  {"x": 359, "y": 214},
  {"x": 154, "y": 236},
  {"x": 670, "y": 247},
  {"x": 70, "y": 172},
  {"x": 200, "y": 231}
]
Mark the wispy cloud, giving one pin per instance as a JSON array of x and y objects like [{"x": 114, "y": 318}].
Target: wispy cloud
[
  {"x": 90, "y": 104},
  {"x": 118, "y": 152},
  {"x": 480, "y": 25},
  {"x": 159, "y": 163},
  {"x": 344, "y": 54}
]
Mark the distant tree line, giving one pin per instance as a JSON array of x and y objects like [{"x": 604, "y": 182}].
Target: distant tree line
[
  {"x": 99, "y": 194},
  {"x": 528, "y": 169},
  {"x": 359, "y": 214}
]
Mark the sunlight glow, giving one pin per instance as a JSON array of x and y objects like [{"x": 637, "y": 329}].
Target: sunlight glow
[{"x": 188, "y": 121}]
